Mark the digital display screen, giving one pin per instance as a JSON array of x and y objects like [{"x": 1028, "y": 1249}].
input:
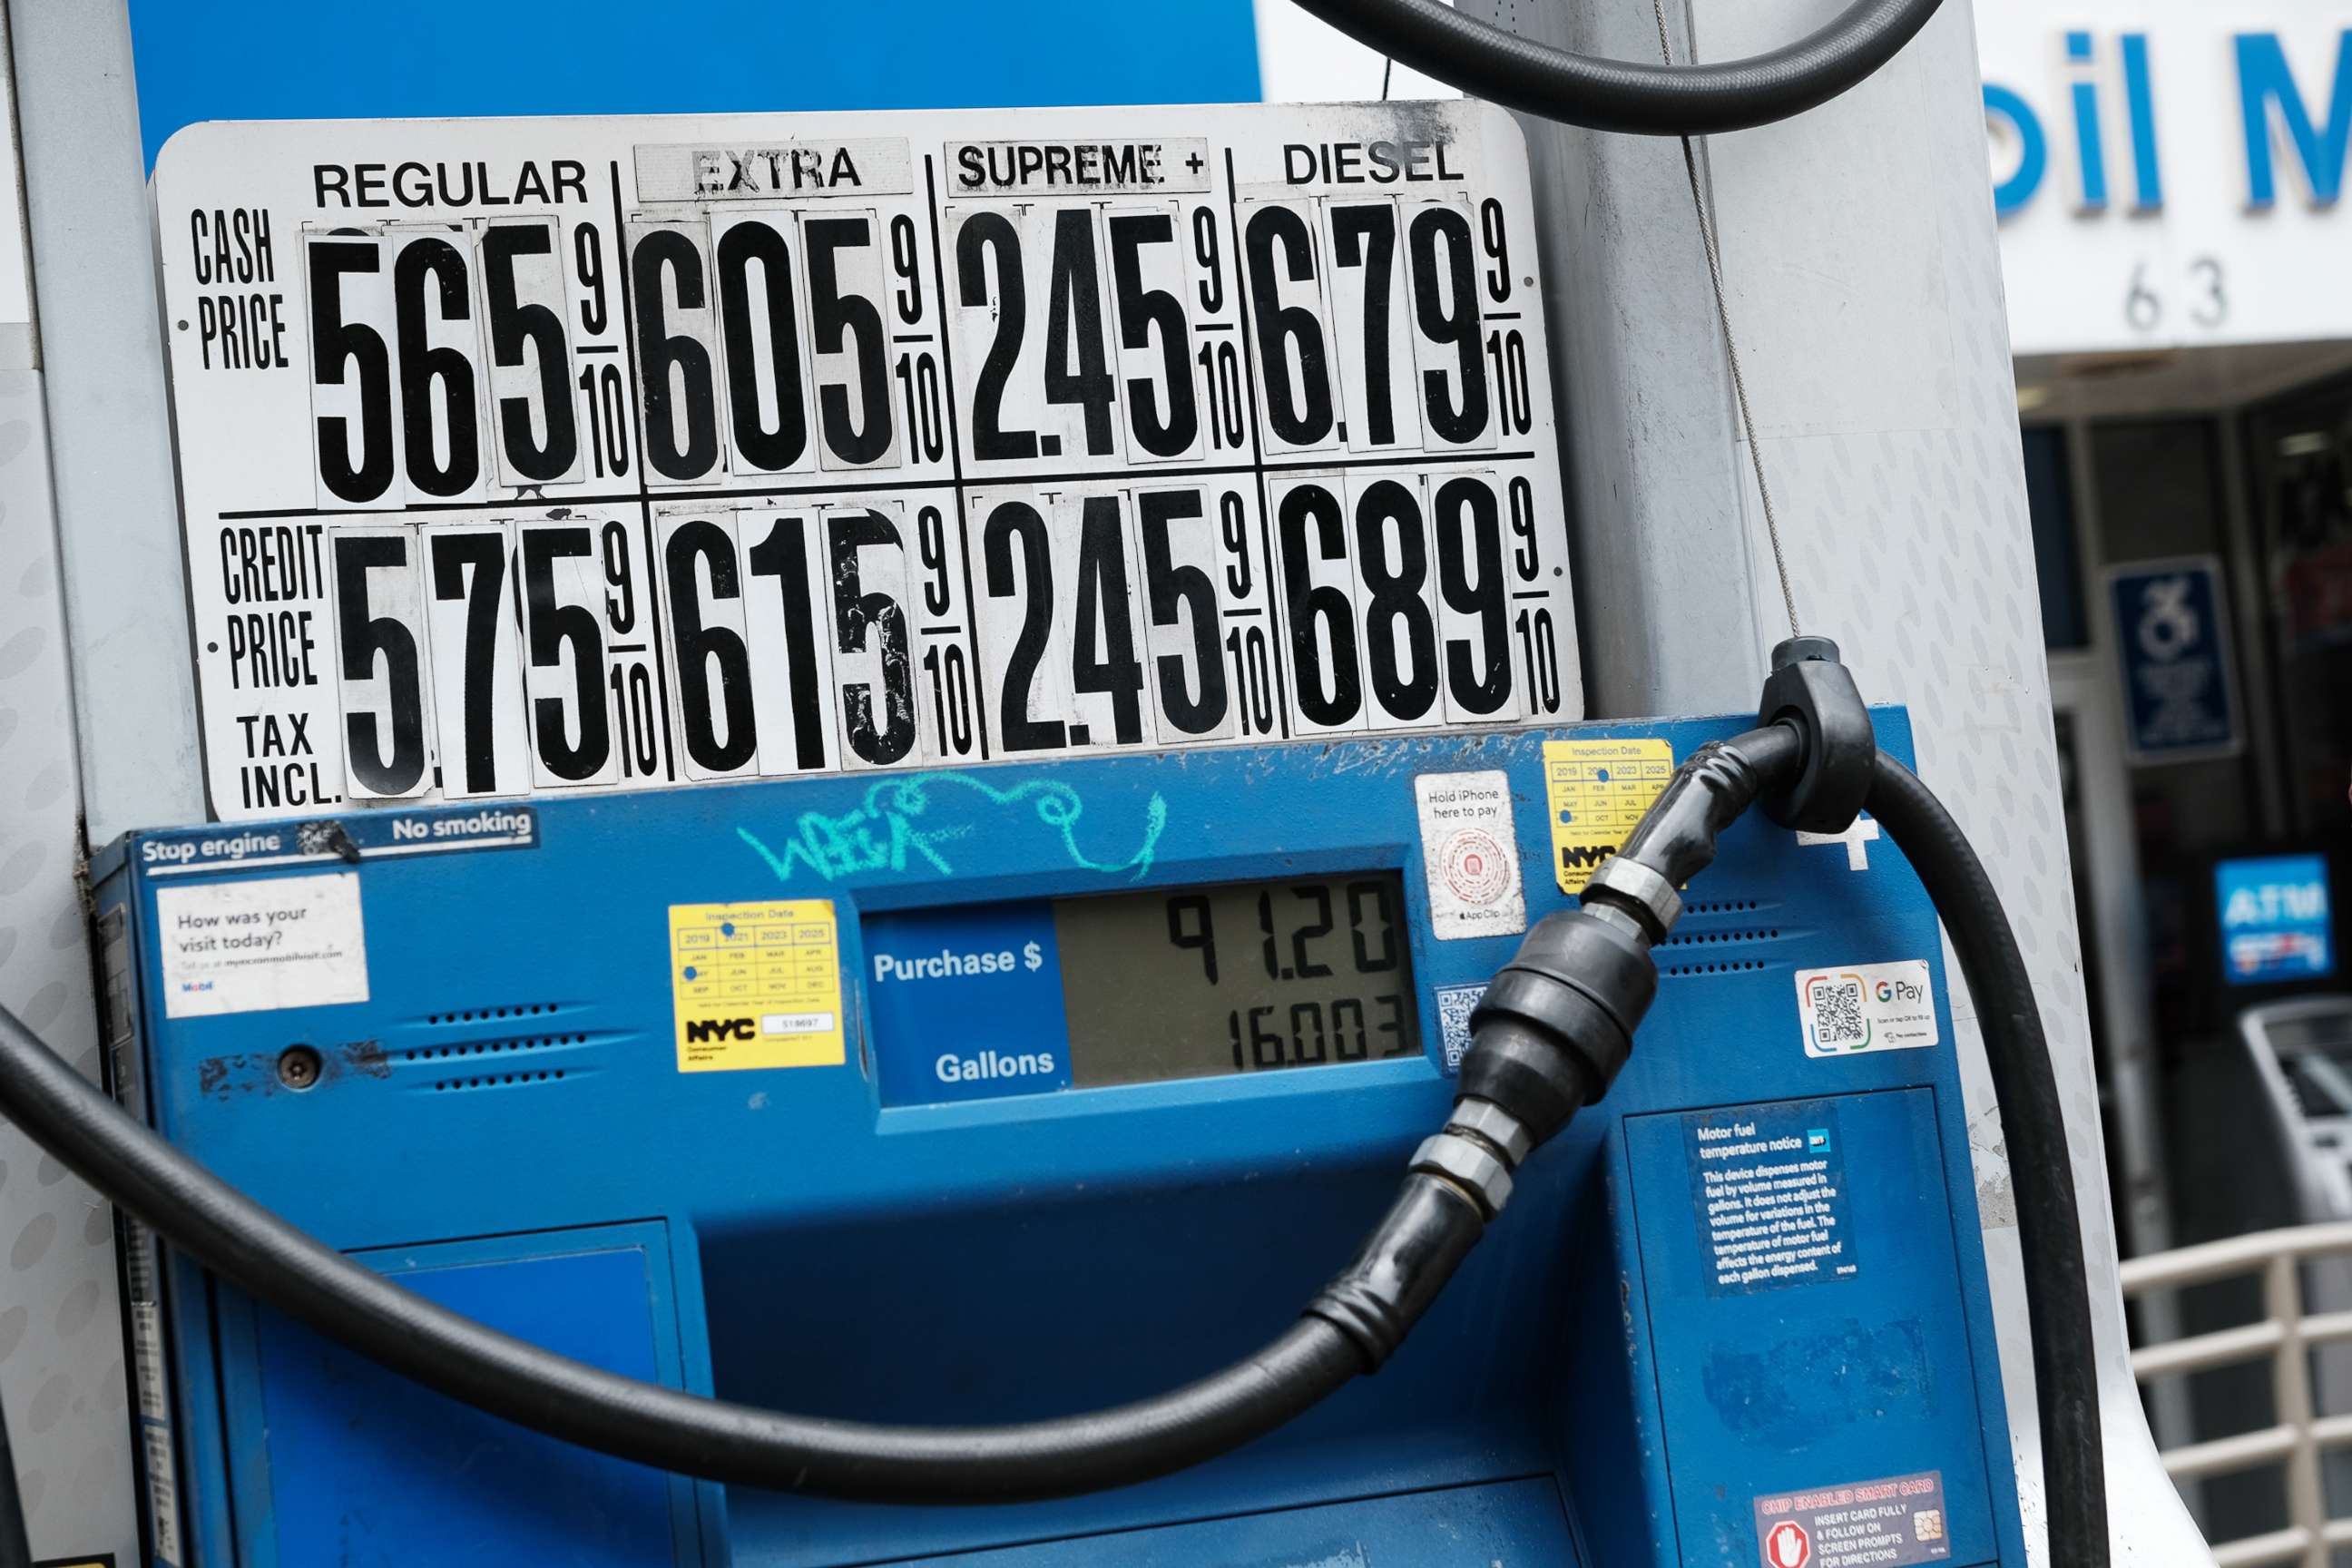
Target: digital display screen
[
  {"x": 1248, "y": 977},
  {"x": 985, "y": 1001}
]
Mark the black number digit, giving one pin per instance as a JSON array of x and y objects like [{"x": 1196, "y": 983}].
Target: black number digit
[
  {"x": 1221, "y": 372},
  {"x": 472, "y": 567},
  {"x": 514, "y": 323},
  {"x": 334, "y": 342},
  {"x": 783, "y": 555},
  {"x": 1300, "y": 1056},
  {"x": 991, "y": 236},
  {"x": 932, "y": 544},
  {"x": 363, "y": 635},
  {"x": 1303, "y": 962},
  {"x": 705, "y": 544},
  {"x": 1233, "y": 524},
  {"x": 1541, "y": 643},
  {"x": 681, "y": 410},
  {"x": 1252, "y": 679},
  {"x": 907, "y": 265},
  {"x": 1300, "y": 413},
  {"x": 1202, "y": 936},
  {"x": 834, "y": 316},
  {"x": 777, "y": 446},
  {"x": 1397, "y": 619},
  {"x": 1074, "y": 326},
  {"x": 588, "y": 266},
  {"x": 633, "y": 707},
  {"x": 1172, "y": 590},
  {"x": 1265, "y": 937},
  {"x": 1470, "y": 535},
  {"x": 607, "y": 418},
  {"x": 1527, "y": 556},
  {"x": 1340, "y": 1009},
  {"x": 620, "y": 579},
  {"x": 1308, "y": 604},
  {"x": 1381, "y": 918},
  {"x": 859, "y": 614},
  {"x": 1365, "y": 237},
  {"x": 425, "y": 365},
  {"x": 1447, "y": 310},
  {"x": 951, "y": 695},
  {"x": 548, "y": 627},
  {"x": 918, "y": 382},
  {"x": 1017, "y": 522},
  {"x": 1142, "y": 311},
  {"x": 1393, "y": 1025},
  {"x": 1105, "y": 662},
  {"x": 1509, "y": 352},
  {"x": 1205, "y": 252},
  {"x": 1499, "y": 250},
  {"x": 1266, "y": 1048}
]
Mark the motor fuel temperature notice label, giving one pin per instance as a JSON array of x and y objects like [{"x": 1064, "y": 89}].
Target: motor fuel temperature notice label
[
  {"x": 1891, "y": 1523},
  {"x": 1768, "y": 1195},
  {"x": 535, "y": 456}
]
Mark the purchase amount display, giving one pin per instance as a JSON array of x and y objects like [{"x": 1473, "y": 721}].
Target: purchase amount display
[
  {"x": 533, "y": 455},
  {"x": 1245, "y": 978}
]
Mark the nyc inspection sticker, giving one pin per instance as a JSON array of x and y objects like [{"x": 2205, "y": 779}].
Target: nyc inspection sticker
[
  {"x": 1854, "y": 1008},
  {"x": 756, "y": 985}
]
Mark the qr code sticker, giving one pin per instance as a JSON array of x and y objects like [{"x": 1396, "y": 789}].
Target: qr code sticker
[
  {"x": 1837, "y": 1014},
  {"x": 1455, "y": 1005}
]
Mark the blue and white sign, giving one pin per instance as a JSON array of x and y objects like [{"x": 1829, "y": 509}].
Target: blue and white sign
[
  {"x": 966, "y": 1004},
  {"x": 2172, "y": 636},
  {"x": 2276, "y": 925}
]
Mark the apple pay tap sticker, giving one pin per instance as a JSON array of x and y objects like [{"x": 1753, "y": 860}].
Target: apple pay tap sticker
[
  {"x": 1857, "y": 1008},
  {"x": 1470, "y": 850}
]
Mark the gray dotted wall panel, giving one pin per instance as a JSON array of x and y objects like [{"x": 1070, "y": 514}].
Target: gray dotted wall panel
[{"x": 61, "y": 1373}]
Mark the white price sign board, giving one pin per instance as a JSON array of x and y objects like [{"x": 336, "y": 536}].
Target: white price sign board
[{"x": 521, "y": 456}]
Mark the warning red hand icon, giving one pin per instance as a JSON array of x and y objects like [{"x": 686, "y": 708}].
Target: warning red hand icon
[{"x": 1788, "y": 1546}]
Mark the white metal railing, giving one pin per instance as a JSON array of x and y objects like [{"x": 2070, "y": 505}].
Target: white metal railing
[{"x": 2285, "y": 1336}]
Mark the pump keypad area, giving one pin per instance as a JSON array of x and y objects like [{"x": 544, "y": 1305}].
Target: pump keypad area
[
  {"x": 1111, "y": 1066},
  {"x": 1025, "y": 998}
]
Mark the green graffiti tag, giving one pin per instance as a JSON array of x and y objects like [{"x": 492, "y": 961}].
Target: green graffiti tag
[{"x": 899, "y": 824}]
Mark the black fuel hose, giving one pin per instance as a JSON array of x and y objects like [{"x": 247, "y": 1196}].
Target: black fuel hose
[
  {"x": 1399, "y": 1270},
  {"x": 1645, "y": 99},
  {"x": 2041, "y": 1169}
]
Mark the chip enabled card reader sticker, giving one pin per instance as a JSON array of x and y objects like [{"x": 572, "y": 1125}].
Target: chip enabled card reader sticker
[
  {"x": 1597, "y": 792},
  {"x": 1891, "y": 1523},
  {"x": 756, "y": 985}
]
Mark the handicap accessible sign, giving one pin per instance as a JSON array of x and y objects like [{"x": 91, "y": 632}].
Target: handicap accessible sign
[
  {"x": 2172, "y": 635},
  {"x": 966, "y": 1004}
]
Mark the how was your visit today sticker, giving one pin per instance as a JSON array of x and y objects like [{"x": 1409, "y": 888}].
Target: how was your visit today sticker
[{"x": 1852, "y": 1008}]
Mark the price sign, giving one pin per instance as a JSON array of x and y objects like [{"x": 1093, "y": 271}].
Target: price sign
[{"x": 521, "y": 456}]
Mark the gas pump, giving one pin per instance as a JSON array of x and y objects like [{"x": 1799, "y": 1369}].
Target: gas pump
[{"x": 887, "y": 766}]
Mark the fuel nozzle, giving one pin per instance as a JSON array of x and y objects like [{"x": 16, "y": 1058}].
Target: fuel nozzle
[{"x": 1557, "y": 1023}]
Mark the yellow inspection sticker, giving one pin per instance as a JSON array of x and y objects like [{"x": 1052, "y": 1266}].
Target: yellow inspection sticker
[
  {"x": 1598, "y": 790},
  {"x": 756, "y": 985}
]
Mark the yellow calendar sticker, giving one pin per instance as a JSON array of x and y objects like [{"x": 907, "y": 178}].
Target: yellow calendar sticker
[
  {"x": 1597, "y": 791},
  {"x": 756, "y": 985}
]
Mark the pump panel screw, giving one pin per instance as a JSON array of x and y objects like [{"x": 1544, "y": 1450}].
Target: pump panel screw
[{"x": 298, "y": 1066}]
